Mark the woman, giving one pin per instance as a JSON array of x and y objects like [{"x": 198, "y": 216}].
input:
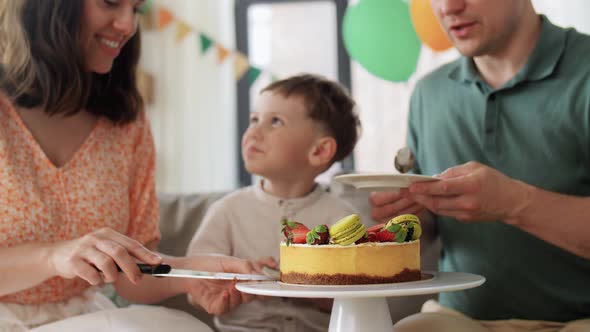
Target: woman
[{"x": 77, "y": 195}]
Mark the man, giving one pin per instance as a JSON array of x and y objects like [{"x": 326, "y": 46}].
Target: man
[{"x": 508, "y": 125}]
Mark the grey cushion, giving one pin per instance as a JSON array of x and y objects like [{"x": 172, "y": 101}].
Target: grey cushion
[{"x": 180, "y": 216}]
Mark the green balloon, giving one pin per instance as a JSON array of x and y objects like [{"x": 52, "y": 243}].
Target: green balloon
[
  {"x": 379, "y": 35},
  {"x": 146, "y": 7}
]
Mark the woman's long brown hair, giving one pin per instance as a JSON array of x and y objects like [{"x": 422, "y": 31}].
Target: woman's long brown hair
[{"x": 42, "y": 64}]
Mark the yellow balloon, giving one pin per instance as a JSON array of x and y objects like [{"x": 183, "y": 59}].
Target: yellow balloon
[{"x": 427, "y": 26}]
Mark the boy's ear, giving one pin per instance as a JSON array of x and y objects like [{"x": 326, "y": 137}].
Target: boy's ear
[{"x": 323, "y": 151}]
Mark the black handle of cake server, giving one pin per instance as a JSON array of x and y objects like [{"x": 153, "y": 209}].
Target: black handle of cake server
[{"x": 152, "y": 269}]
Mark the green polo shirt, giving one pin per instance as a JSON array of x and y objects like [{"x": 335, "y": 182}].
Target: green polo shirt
[{"x": 535, "y": 128}]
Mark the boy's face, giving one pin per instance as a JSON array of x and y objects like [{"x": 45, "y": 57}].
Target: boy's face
[{"x": 280, "y": 137}]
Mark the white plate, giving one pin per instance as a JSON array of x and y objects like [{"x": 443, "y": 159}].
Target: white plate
[
  {"x": 382, "y": 181},
  {"x": 440, "y": 282}
]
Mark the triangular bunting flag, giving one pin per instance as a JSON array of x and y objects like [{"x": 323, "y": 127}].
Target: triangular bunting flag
[
  {"x": 206, "y": 42},
  {"x": 146, "y": 7},
  {"x": 182, "y": 29},
  {"x": 222, "y": 53},
  {"x": 165, "y": 17},
  {"x": 241, "y": 65},
  {"x": 253, "y": 74}
]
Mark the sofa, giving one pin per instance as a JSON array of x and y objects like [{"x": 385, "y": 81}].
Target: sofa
[{"x": 181, "y": 215}]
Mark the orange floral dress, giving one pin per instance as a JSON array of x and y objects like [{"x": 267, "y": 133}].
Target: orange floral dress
[{"x": 109, "y": 182}]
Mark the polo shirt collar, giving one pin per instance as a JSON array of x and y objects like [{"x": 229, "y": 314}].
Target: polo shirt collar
[
  {"x": 541, "y": 64},
  {"x": 465, "y": 71},
  {"x": 291, "y": 203}
]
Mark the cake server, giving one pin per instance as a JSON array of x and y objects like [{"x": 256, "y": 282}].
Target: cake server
[
  {"x": 165, "y": 270},
  {"x": 404, "y": 160}
]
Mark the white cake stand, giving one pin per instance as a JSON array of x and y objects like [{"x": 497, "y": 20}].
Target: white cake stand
[{"x": 364, "y": 307}]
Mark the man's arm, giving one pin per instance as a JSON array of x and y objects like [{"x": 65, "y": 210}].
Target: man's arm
[
  {"x": 562, "y": 220},
  {"x": 474, "y": 192}
]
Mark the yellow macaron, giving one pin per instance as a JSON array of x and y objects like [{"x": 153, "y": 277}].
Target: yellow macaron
[
  {"x": 347, "y": 230},
  {"x": 404, "y": 218},
  {"x": 407, "y": 221}
]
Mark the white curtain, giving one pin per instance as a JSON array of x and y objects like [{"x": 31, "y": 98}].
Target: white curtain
[
  {"x": 384, "y": 111},
  {"x": 193, "y": 116},
  {"x": 567, "y": 13}
]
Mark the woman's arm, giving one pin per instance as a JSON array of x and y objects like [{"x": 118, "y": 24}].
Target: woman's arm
[
  {"x": 23, "y": 267},
  {"x": 215, "y": 296},
  {"x": 152, "y": 289},
  {"x": 93, "y": 257}
]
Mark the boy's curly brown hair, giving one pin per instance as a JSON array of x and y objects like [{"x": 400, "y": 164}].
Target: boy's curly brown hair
[{"x": 329, "y": 104}]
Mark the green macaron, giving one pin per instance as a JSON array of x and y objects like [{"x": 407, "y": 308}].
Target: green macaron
[
  {"x": 347, "y": 230},
  {"x": 407, "y": 221}
]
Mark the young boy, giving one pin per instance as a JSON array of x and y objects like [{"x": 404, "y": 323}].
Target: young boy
[{"x": 300, "y": 127}]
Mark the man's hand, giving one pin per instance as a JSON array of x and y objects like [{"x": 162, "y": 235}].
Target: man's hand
[
  {"x": 472, "y": 191},
  {"x": 218, "y": 296},
  {"x": 386, "y": 205}
]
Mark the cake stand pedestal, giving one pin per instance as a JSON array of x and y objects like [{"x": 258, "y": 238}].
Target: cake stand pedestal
[{"x": 359, "y": 308}]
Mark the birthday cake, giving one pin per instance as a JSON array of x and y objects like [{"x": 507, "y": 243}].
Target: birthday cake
[{"x": 349, "y": 254}]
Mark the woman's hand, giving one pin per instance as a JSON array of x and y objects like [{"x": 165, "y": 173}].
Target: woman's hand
[
  {"x": 95, "y": 256},
  {"x": 218, "y": 296}
]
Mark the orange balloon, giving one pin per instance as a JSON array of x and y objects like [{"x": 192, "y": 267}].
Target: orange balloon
[{"x": 427, "y": 26}]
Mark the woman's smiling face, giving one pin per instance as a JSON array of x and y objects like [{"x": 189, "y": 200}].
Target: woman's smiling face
[{"x": 106, "y": 25}]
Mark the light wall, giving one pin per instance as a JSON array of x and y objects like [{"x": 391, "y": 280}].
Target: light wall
[
  {"x": 193, "y": 117},
  {"x": 567, "y": 13}
]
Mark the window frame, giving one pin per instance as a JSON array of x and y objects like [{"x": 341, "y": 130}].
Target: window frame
[{"x": 243, "y": 86}]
